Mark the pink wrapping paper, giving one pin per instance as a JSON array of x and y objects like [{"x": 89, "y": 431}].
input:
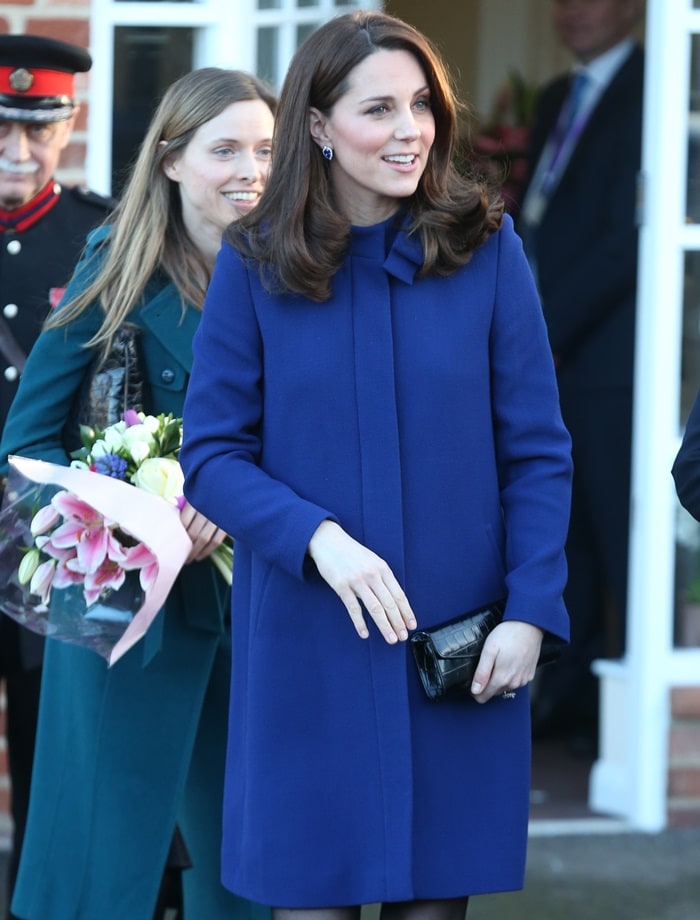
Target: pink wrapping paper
[{"x": 148, "y": 518}]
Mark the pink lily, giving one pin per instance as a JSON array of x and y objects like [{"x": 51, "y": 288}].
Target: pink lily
[
  {"x": 84, "y": 529},
  {"x": 90, "y": 543},
  {"x": 45, "y": 518},
  {"x": 110, "y": 575},
  {"x": 70, "y": 506},
  {"x": 46, "y": 545},
  {"x": 42, "y": 580},
  {"x": 140, "y": 557},
  {"x": 66, "y": 576}
]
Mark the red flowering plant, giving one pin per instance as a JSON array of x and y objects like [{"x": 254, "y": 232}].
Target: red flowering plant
[{"x": 502, "y": 143}]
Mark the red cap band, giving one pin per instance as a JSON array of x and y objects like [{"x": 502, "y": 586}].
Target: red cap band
[{"x": 34, "y": 82}]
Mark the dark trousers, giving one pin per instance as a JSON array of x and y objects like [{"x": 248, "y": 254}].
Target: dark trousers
[
  {"x": 600, "y": 423},
  {"x": 22, "y": 693}
]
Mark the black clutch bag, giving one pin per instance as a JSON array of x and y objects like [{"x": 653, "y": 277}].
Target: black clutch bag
[{"x": 447, "y": 655}]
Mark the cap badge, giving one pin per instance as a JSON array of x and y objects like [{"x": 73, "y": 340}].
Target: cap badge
[{"x": 21, "y": 79}]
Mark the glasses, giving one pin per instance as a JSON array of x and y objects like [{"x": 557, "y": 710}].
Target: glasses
[{"x": 35, "y": 132}]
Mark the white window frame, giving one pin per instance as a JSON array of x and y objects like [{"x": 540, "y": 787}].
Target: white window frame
[{"x": 225, "y": 36}]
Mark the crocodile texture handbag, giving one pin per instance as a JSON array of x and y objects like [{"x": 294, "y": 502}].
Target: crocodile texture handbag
[
  {"x": 113, "y": 383},
  {"x": 447, "y": 655}
]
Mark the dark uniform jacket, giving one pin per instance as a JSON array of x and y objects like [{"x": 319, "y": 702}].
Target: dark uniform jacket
[{"x": 36, "y": 262}]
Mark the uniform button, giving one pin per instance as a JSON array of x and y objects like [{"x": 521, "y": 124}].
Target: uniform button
[
  {"x": 10, "y": 310},
  {"x": 13, "y": 247},
  {"x": 167, "y": 376},
  {"x": 11, "y": 374}
]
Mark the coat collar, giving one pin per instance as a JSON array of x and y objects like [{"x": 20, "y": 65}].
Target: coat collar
[
  {"x": 174, "y": 328},
  {"x": 404, "y": 253},
  {"x": 162, "y": 312}
]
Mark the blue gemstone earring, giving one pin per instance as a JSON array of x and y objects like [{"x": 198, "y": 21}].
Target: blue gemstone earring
[{"x": 327, "y": 152}]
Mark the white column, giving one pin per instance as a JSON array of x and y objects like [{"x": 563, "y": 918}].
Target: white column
[{"x": 630, "y": 778}]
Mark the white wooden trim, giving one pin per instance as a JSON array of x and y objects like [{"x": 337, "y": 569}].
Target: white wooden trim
[
  {"x": 225, "y": 36},
  {"x": 630, "y": 778}
]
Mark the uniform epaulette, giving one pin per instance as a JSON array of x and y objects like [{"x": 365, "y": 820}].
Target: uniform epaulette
[{"x": 104, "y": 202}]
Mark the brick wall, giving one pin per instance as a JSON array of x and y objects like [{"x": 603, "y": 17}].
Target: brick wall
[{"x": 67, "y": 20}]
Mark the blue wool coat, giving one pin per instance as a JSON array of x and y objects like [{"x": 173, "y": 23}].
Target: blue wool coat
[
  {"x": 123, "y": 753},
  {"x": 422, "y": 415}
]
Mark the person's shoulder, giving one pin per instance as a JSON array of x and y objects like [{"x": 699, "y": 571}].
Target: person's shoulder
[
  {"x": 86, "y": 197},
  {"x": 554, "y": 88}
]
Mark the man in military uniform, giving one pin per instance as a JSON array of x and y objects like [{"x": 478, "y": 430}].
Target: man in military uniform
[{"x": 43, "y": 227}]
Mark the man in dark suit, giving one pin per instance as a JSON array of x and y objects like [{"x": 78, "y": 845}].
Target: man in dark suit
[
  {"x": 578, "y": 222},
  {"x": 43, "y": 227}
]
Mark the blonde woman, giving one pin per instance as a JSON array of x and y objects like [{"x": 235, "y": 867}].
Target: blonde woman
[{"x": 126, "y": 755}]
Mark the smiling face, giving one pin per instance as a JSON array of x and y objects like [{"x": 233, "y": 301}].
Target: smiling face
[
  {"x": 589, "y": 28},
  {"x": 223, "y": 169},
  {"x": 29, "y": 156},
  {"x": 381, "y": 131}
]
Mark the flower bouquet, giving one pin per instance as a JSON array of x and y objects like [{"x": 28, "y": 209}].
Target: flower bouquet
[
  {"x": 85, "y": 558},
  {"x": 88, "y": 553},
  {"x": 143, "y": 450}
]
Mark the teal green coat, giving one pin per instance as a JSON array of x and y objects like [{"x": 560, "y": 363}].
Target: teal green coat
[{"x": 123, "y": 754}]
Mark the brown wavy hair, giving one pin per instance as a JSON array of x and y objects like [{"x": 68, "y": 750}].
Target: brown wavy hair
[
  {"x": 148, "y": 232},
  {"x": 296, "y": 234}
]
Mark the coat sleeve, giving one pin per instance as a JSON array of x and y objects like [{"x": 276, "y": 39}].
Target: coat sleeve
[
  {"x": 222, "y": 452},
  {"x": 686, "y": 466},
  {"x": 533, "y": 447}
]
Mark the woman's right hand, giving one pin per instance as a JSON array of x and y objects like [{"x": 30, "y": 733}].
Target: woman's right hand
[
  {"x": 356, "y": 574},
  {"x": 206, "y": 537}
]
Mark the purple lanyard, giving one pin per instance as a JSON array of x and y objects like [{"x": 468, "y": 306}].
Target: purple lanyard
[{"x": 570, "y": 124}]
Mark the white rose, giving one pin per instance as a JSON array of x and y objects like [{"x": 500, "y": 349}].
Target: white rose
[
  {"x": 150, "y": 423},
  {"x": 139, "y": 442},
  {"x": 160, "y": 476},
  {"x": 113, "y": 439}
]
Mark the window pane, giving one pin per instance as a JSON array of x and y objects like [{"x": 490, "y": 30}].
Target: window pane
[
  {"x": 687, "y": 576},
  {"x": 146, "y": 61},
  {"x": 269, "y": 4},
  {"x": 687, "y": 598},
  {"x": 306, "y": 3},
  {"x": 693, "y": 202},
  {"x": 690, "y": 345},
  {"x": 268, "y": 45},
  {"x": 304, "y": 31}
]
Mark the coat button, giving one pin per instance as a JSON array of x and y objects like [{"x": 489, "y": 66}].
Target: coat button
[
  {"x": 167, "y": 376},
  {"x": 10, "y": 374},
  {"x": 13, "y": 247},
  {"x": 10, "y": 310}
]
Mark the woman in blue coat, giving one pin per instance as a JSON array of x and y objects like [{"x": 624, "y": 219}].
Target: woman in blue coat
[
  {"x": 125, "y": 754},
  {"x": 373, "y": 414}
]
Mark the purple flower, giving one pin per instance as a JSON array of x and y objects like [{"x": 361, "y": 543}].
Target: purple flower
[
  {"x": 131, "y": 417},
  {"x": 110, "y": 465}
]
